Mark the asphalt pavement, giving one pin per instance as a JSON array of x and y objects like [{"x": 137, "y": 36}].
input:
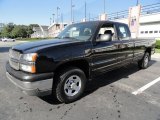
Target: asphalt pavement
[{"x": 109, "y": 97}]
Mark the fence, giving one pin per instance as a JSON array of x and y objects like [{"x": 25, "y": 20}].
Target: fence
[{"x": 145, "y": 10}]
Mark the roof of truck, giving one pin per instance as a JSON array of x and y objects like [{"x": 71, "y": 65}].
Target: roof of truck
[{"x": 100, "y": 21}]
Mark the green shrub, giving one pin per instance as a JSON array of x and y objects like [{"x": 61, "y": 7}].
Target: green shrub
[
  {"x": 158, "y": 44},
  {"x": 157, "y": 50}
]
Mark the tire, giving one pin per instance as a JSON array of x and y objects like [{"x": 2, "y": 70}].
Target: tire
[
  {"x": 70, "y": 85},
  {"x": 143, "y": 64}
]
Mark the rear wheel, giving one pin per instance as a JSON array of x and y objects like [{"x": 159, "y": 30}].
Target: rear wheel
[
  {"x": 70, "y": 85},
  {"x": 143, "y": 64}
]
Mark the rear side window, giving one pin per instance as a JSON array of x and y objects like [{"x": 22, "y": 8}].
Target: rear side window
[{"x": 123, "y": 32}]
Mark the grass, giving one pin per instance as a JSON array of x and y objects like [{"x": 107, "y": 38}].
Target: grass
[
  {"x": 157, "y": 50},
  {"x": 158, "y": 46}
]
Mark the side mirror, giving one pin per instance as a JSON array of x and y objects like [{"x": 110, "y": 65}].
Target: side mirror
[{"x": 104, "y": 38}]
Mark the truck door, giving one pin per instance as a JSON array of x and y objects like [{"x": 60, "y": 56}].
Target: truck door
[
  {"x": 104, "y": 56},
  {"x": 126, "y": 47}
]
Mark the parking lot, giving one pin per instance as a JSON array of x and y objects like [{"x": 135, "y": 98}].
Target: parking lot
[{"x": 126, "y": 93}]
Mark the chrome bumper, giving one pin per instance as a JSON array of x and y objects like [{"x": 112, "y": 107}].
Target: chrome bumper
[{"x": 38, "y": 88}]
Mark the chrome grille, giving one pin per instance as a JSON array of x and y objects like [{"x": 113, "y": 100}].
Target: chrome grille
[
  {"x": 14, "y": 57},
  {"x": 14, "y": 64}
]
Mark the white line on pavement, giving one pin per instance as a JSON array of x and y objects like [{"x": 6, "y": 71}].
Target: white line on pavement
[{"x": 139, "y": 91}]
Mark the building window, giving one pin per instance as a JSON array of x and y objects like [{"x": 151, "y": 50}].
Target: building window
[
  {"x": 155, "y": 31},
  {"x": 142, "y": 32},
  {"x": 146, "y": 32},
  {"x": 150, "y": 32}
]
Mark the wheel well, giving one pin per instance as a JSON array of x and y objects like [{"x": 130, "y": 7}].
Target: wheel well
[
  {"x": 82, "y": 64},
  {"x": 149, "y": 51}
]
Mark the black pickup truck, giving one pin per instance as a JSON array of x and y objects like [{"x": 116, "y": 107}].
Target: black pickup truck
[{"x": 62, "y": 66}]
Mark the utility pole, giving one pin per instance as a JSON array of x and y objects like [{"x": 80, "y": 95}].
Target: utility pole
[
  {"x": 71, "y": 11},
  {"x": 85, "y": 10},
  {"x": 58, "y": 13},
  {"x": 53, "y": 17},
  {"x": 104, "y": 6},
  {"x": 137, "y": 2},
  {"x": 50, "y": 20}
]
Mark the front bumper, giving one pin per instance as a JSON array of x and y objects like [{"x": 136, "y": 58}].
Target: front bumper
[{"x": 33, "y": 88}]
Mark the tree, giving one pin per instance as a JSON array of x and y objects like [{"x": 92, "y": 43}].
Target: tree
[
  {"x": 15, "y": 31},
  {"x": 29, "y": 31},
  {"x": 19, "y": 31},
  {"x": 34, "y": 25},
  {"x": 6, "y": 31}
]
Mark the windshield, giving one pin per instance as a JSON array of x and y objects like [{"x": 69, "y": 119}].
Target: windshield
[{"x": 80, "y": 31}]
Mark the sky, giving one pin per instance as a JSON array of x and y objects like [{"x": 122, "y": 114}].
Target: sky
[{"x": 40, "y": 11}]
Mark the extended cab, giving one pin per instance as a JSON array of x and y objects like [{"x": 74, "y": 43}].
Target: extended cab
[{"x": 62, "y": 66}]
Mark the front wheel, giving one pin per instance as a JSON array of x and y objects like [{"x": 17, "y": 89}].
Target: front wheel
[
  {"x": 70, "y": 85},
  {"x": 143, "y": 64}
]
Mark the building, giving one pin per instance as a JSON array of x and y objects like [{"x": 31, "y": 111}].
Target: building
[
  {"x": 148, "y": 20},
  {"x": 150, "y": 26},
  {"x": 55, "y": 29},
  {"x": 40, "y": 32}
]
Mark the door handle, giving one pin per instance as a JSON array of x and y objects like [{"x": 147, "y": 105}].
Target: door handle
[
  {"x": 88, "y": 51},
  {"x": 116, "y": 45}
]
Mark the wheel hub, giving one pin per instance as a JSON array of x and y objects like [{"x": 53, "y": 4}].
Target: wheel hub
[{"x": 72, "y": 85}]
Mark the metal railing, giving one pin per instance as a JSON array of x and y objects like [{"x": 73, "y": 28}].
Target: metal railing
[
  {"x": 150, "y": 9},
  {"x": 145, "y": 10},
  {"x": 118, "y": 15}
]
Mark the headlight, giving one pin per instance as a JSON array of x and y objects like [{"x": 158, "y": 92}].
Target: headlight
[
  {"x": 27, "y": 62},
  {"x": 29, "y": 57},
  {"x": 28, "y": 68}
]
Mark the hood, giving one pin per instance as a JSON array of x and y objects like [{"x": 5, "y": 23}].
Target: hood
[{"x": 43, "y": 43}]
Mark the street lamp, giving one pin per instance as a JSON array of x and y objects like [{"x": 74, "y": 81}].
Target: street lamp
[
  {"x": 72, "y": 13},
  {"x": 72, "y": 16},
  {"x": 53, "y": 18},
  {"x": 57, "y": 13},
  {"x": 85, "y": 10},
  {"x": 62, "y": 18}
]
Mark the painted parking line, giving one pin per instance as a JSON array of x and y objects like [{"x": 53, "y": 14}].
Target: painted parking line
[{"x": 139, "y": 91}]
